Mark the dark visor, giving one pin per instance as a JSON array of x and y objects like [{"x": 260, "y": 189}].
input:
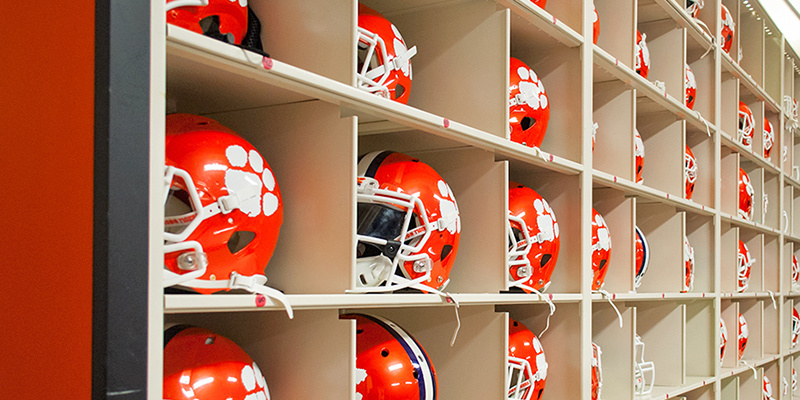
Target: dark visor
[{"x": 379, "y": 221}]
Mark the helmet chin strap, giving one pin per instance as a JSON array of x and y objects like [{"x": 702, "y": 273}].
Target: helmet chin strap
[
  {"x": 541, "y": 297},
  {"x": 253, "y": 284},
  {"x": 608, "y": 296}
]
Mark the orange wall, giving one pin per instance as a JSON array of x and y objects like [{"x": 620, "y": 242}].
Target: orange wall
[{"x": 46, "y": 104}]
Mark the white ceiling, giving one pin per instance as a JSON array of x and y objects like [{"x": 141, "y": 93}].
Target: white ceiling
[{"x": 786, "y": 14}]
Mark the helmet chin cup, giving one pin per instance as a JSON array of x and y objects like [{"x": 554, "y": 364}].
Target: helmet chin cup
[{"x": 373, "y": 271}]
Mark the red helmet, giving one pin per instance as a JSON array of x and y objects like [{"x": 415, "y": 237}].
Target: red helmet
[
  {"x": 795, "y": 273},
  {"x": 642, "y": 59},
  {"x": 200, "y": 364},
  {"x": 390, "y": 364},
  {"x": 638, "y": 153},
  {"x": 691, "y": 87},
  {"x": 693, "y": 7},
  {"x": 595, "y": 26},
  {"x": 540, "y": 3},
  {"x": 380, "y": 45},
  {"x": 743, "y": 333},
  {"x": 601, "y": 249},
  {"x": 408, "y": 224},
  {"x": 527, "y": 366},
  {"x": 221, "y": 19},
  {"x": 534, "y": 239},
  {"x": 769, "y": 138},
  {"x": 597, "y": 371},
  {"x": 746, "y": 193},
  {"x": 745, "y": 263},
  {"x": 795, "y": 327},
  {"x": 688, "y": 259},
  {"x": 689, "y": 172},
  {"x": 723, "y": 338},
  {"x": 728, "y": 27},
  {"x": 767, "y": 390},
  {"x": 223, "y": 208},
  {"x": 747, "y": 125},
  {"x": 528, "y": 106},
  {"x": 642, "y": 257}
]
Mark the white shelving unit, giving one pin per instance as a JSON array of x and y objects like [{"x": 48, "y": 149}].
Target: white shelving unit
[{"x": 301, "y": 109}]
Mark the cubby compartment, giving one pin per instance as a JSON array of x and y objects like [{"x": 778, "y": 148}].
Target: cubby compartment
[
  {"x": 701, "y": 349},
  {"x": 788, "y": 311},
  {"x": 563, "y": 194},
  {"x": 770, "y": 337},
  {"x": 558, "y": 67},
  {"x": 703, "y": 148},
  {"x": 324, "y": 29},
  {"x": 617, "y": 33},
  {"x": 729, "y": 314},
  {"x": 734, "y": 10},
  {"x": 613, "y": 105},
  {"x": 617, "y": 345},
  {"x": 755, "y": 174},
  {"x": 479, "y": 185},
  {"x": 665, "y": 42},
  {"x": 757, "y": 109},
  {"x": 773, "y": 58},
  {"x": 754, "y": 242},
  {"x": 751, "y": 38},
  {"x": 729, "y": 248},
  {"x": 561, "y": 343},
  {"x": 771, "y": 265},
  {"x": 618, "y": 212},
  {"x": 482, "y": 340},
  {"x": 444, "y": 85},
  {"x": 700, "y": 233},
  {"x": 662, "y": 133},
  {"x": 729, "y": 105},
  {"x": 661, "y": 325},
  {"x": 318, "y": 337},
  {"x": 770, "y": 200},
  {"x": 752, "y": 310},
  {"x": 729, "y": 185},
  {"x": 307, "y": 153},
  {"x": 700, "y": 60},
  {"x": 774, "y": 147},
  {"x": 770, "y": 373},
  {"x": 662, "y": 226},
  {"x": 730, "y": 388},
  {"x": 750, "y": 384}
]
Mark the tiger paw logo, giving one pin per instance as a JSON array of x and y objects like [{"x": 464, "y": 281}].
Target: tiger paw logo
[
  {"x": 250, "y": 181},
  {"x": 603, "y": 237},
  {"x": 531, "y": 89},
  {"x": 545, "y": 221},
  {"x": 448, "y": 207},
  {"x": 253, "y": 381}
]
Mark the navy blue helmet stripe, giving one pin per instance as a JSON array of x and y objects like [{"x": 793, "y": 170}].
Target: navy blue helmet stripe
[
  {"x": 411, "y": 355},
  {"x": 376, "y": 163}
]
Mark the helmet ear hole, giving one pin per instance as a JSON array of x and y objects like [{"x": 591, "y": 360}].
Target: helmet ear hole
[
  {"x": 545, "y": 260},
  {"x": 446, "y": 251},
  {"x": 239, "y": 240},
  {"x": 527, "y": 123},
  {"x": 398, "y": 91}
]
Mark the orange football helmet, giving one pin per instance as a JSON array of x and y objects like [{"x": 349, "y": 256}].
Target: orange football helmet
[
  {"x": 533, "y": 239},
  {"x": 528, "y": 105}
]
